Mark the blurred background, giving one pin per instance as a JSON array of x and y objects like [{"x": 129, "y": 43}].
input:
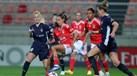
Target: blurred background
[{"x": 16, "y": 16}]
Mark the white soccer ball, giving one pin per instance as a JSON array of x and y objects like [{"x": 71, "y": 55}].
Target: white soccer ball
[{"x": 53, "y": 74}]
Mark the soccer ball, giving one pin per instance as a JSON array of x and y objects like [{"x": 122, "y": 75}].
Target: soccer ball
[{"x": 53, "y": 74}]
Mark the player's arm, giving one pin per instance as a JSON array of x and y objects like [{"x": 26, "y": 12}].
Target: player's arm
[
  {"x": 96, "y": 32},
  {"x": 115, "y": 28},
  {"x": 31, "y": 32}
]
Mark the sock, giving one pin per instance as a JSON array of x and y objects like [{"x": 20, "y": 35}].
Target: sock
[
  {"x": 105, "y": 64},
  {"x": 93, "y": 64},
  {"x": 72, "y": 63},
  {"x": 124, "y": 69},
  {"x": 98, "y": 65},
  {"x": 87, "y": 64},
  {"x": 56, "y": 60},
  {"x": 62, "y": 64},
  {"x": 25, "y": 68}
]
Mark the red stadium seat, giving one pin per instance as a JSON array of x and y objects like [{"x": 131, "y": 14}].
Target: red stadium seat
[
  {"x": 7, "y": 19},
  {"x": 44, "y": 9},
  {"x": 128, "y": 20},
  {"x": 1, "y": 8},
  {"x": 131, "y": 10},
  {"x": 11, "y": 8},
  {"x": 22, "y": 8},
  {"x": 68, "y": 8},
  {"x": 78, "y": 8},
  {"x": 19, "y": 19},
  {"x": 29, "y": 19},
  {"x": 56, "y": 9},
  {"x": 33, "y": 8}
]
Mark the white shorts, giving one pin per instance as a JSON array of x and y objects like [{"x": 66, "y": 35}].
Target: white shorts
[
  {"x": 92, "y": 45},
  {"x": 68, "y": 49},
  {"x": 80, "y": 48}
]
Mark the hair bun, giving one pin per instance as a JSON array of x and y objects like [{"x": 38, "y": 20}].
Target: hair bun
[{"x": 105, "y": 3}]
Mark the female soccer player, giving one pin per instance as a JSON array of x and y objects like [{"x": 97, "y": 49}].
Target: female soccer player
[
  {"x": 55, "y": 42},
  {"x": 108, "y": 44},
  {"x": 39, "y": 47},
  {"x": 79, "y": 26},
  {"x": 93, "y": 24},
  {"x": 63, "y": 33}
]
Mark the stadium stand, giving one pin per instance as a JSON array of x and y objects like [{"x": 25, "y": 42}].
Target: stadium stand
[{"x": 18, "y": 13}]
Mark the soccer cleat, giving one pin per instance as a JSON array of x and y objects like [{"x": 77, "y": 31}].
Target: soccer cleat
[
  {"x": 54, "y": 68},
  {"x": 101, "y": 73},
  {"x": 69, "y": 72},
  {"x": 89, "y": 72},
  {"x": 62, "y": 73}
]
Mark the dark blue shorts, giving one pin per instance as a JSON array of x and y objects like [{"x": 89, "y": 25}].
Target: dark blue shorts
[
  {"x": 42, "y": 51},
  {"x": 111, "y": 47}
]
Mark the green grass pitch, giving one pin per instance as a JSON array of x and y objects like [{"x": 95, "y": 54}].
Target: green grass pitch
[{"x": 39, "y": 71}]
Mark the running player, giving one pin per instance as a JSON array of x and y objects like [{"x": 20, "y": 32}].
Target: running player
[
  {"x": 79, "y": 26},
  {"x": 93, "y": 24},
  {"x": 39, "y": 47},
  {"x": 63, "y": 33},
  {"x": 108, "y": 44}
]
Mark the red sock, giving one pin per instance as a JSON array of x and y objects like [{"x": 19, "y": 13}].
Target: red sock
[
  {"x": 50, "y": 52},
  {"x": 105, "y": 64},
  {"x": 47, "y": 73},
  {"x": 56, "y": 60},
  {"x": 87, "y": 64},
  {"x": 72, "y": 63},
  {"x": 98, "y": 65}
]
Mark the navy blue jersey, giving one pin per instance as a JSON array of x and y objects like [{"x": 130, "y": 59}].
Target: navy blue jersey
[
  {"x": 40, "y": 35},
  {"x": 53, "y": 26},
  {"x": 106, "y": 28}
]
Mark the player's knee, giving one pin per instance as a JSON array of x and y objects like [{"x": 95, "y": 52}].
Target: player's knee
[
  {"x": 73, "y": 55},
  {"x": 116, "y": 63},
  {"x": 53, "y": 48}
]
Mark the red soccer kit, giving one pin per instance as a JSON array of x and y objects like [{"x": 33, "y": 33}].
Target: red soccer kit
[
  {"x": 79, "y": 27},
  {"x": 64, "y": 34},
  {"x": 94, "y": 25}
]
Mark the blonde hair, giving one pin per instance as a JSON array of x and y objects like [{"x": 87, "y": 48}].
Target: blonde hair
[{"x": 41, "y": 17}]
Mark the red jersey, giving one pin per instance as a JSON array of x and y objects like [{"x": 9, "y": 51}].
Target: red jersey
[
  {"x": 63, "y": 34},
  {"x": 79, "y": 27},
  {"x": 95, "y": 26}
]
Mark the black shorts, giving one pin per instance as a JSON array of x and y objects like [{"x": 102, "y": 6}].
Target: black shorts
[
  {"x": 111, "y": 47},
  {"x": 42, "y": 51}
]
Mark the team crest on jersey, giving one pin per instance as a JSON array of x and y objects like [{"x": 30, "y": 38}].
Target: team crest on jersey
[
  {"x": 93, "y": 26},
  {"x": 41, "y": 30}
]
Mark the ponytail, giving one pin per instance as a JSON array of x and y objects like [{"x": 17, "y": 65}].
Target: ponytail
[{"x": 104, "y": 5}]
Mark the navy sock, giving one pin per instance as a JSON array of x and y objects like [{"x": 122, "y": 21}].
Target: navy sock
[
  {"x": 93, "y": 64},
  {"x": 62, "y": 64},
  {"x": 25, "y": 68},
  {"x": 124, "y": 69}
]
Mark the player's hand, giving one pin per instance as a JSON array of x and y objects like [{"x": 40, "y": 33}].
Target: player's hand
[
  {"x": 112, "y": 34},
  {"x": 72, "y": 46}
]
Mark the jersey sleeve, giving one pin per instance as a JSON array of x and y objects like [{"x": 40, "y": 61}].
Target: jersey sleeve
[
  {"x": 109, "y": 20},
  {"x": 46, "y": 27}
]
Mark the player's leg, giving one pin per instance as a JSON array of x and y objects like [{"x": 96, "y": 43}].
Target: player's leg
[
  {"x": 26, "y": 65},
  {"x": 114, "y": 58},
  {"x": 87, "y": 63},
  {"x": 45, "y": 63},
  {"x": 98, "y": 65},
  {"x": 55, "y": 49},
  {"x": 105, "y": 63},
  {"x": 92, "y": 60},
  {"x": 62, "y": 65},
  {"x": 72, "y": 63}
]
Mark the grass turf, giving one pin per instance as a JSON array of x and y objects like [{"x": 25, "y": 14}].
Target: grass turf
[{"x": 39, "y": 71}]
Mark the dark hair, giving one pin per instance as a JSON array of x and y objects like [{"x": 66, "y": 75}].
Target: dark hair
[
  {"x": 91, "y": 9},
  {"x": 63, "y": 16},
  {"x": 104, "y": 5}
]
